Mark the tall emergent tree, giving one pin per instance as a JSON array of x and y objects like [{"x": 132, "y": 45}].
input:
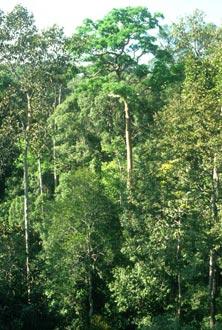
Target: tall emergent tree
[
  {"x": 18, "y": 33},
  {"x": 112, "y": 55},
  {"x": 31, "y": 60},
  {"x": 173, "y": 229}
]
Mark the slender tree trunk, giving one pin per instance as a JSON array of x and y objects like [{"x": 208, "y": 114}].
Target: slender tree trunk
[
  {"x": 179, "y": 296},
  {"x": 26, "y": 219},
  {"x": 128, "y": 144},
  {"x": 54, "y": 162},
  {"x": 179, "y": 272},
  {"x": 90, "y": 283},
  {"x": 90, "y": 277},
  {"x": 212, "y": 261},
  {"x": 129, "y": 154},
  {"x": 55, "y": 175},
  {"x": 212, "y": 288},
  {"x": 26, "y": 192}
]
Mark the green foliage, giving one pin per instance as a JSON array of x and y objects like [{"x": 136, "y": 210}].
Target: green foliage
[
  {"x": 112, "y": 32},
  {"x": 193, "y": 35},
  {"x": 116, "y": 44},
  {"x": 103, "y": 256},
  {"x": 86, "y": 242}
]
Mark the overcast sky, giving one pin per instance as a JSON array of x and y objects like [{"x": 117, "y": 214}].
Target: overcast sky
[{"x": 70, "y": 13}]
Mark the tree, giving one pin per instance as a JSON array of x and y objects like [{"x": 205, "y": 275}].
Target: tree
[
  {"x": 81, "y": 253},
  {"x": 194, "y": 141},
  {"x": 169, "y": 227},
  {"x": 192, "y": 34},
  {"x": 115, "y": 49},
  {"x": 36, "y": 62},
  {"x": 18, "y": 32}
]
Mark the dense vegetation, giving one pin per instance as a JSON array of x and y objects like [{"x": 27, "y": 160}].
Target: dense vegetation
[{"x": 110, "y": 169}]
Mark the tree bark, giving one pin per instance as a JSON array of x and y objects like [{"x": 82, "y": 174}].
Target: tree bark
[
  {"x": 212, "y": 289},
  {"x": 128, "y": 144},
  {"x": 26, "y": 192},
  {"x": 54, "y": 163},
  {"x": 90, "y": 282},
  {"x": 212, "y": 261},
  {"x": 179, "y": 271},
  {"x": 26, "y": 219},
  {"x": 55, "y": 175},
  {"x": 129, "y": 154}
]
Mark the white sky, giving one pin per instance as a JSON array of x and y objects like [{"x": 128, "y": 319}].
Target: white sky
[{"x": 70, "y": 13}]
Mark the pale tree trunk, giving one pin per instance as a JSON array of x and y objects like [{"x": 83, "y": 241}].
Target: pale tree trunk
[
  {"x": 212, "y": 288},
  {"x": 129, "y": 154},
  {"x": 26, "y": 197},
  {"x": 26, "y": 219},
  {"x": 54, "y": 162},
  {"x": 179, "y": 271},
  {"x": 90, "y": 280},
  {"x": 55, "y": 103},
  {"x": 212, "y": 261},
  {"x": 179, "y": 296},
  {"x": 128, "y": 144}
]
